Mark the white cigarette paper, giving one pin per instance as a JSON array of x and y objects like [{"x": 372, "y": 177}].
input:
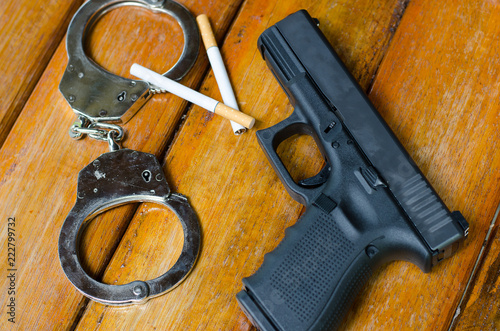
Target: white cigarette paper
[
  {"x": 219, "y": 69},
  {"x": 191, "y": 95}
]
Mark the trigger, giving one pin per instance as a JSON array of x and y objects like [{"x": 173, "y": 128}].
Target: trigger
[{"x": 317, "y": 180}]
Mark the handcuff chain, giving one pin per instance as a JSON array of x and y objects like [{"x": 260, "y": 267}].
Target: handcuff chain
[{"x": 111, "y": 133}]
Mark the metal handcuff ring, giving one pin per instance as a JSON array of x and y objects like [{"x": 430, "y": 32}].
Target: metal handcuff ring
[
  {"x": 101, "y": 186},
  {"x": 100, "y": 95},
  {"x": 121, "y": 176}
]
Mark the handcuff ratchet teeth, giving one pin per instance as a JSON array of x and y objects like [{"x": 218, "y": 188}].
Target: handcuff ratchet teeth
[{"x": 120, "y": 176}]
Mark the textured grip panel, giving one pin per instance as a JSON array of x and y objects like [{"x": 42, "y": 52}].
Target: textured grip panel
[
  {"x": 310, "y": 266},
  {"x": 310, "y": 280},
  {"x": 344, "y": 296}
]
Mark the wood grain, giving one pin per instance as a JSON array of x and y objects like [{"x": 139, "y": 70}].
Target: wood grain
[
  {"x": 437, "y": 88},
  {"x": 432, "y": 75},
  {"x": 40, "y": 164},
  {"x": 480, "y": 309},
  {"x": 242, "y": 206},
  {"x": 30, "y": 33}
]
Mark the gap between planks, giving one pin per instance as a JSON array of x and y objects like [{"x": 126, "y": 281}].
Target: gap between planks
[
  {"x": 162, "y": 153},
  {"x": 170, "y": 140},
  {"x": 23, "y": 96},
  {"x": 403, "y": 4},
  {"x": 398, "y": 14},
  {"x": 479, "y": 261}
]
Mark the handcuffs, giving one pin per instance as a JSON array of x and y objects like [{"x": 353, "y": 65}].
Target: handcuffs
[{"x": 121, "y": 176}]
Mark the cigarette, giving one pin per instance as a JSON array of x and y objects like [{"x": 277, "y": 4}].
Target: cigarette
[
  {"x": 220, "y": 73},
  {"x": 192, "y": 96}
]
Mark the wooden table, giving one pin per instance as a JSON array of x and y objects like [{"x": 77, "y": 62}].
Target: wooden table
[{"x": 431, "y": 68}]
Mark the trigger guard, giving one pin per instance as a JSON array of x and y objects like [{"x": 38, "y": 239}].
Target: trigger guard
[
  {"x": 101, "y": 186},
  {"x": 269, "y": 140},
  {"x": 100, "y": 95}
]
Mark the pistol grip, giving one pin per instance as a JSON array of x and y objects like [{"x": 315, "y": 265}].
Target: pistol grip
[
  {"x": 270, "y": 138},
  {"x": 311, "y": 279}
]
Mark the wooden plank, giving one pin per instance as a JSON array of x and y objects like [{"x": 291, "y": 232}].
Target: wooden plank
[
  {"x": 479, "y": 310},
  {"x": 40, "y": 164},
  {"x": 30, "y": 33},
  {"x": 438, "y": 90},
  {"x": 243, "y": 208}
]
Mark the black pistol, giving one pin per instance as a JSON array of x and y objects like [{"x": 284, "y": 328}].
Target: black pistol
[{"x": 369, "y": 205}]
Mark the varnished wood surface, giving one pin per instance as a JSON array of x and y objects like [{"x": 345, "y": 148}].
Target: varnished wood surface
[
  {"x": 51, "y": 161},
  {"x": 434, "y": 89},
  {"x": 233, "y": 208},
  {"x": 480, "y": 307},
  {"x": 31, "y": 31},
  {"x": 431, "y": 68}
]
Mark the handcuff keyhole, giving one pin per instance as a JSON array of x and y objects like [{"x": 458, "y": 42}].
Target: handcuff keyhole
[
  {"x": 122, "y": 96},
  {"x": 146, "y": 175}
]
